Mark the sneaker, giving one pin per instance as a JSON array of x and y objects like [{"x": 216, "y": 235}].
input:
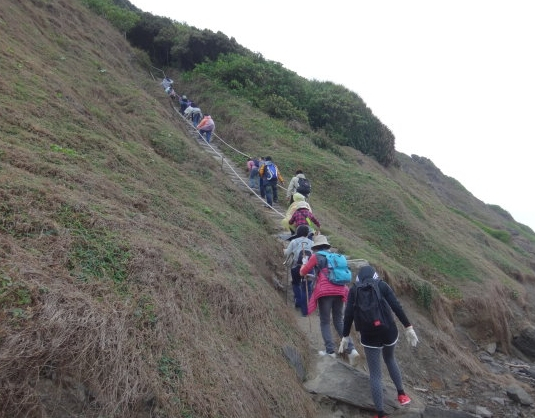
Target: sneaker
[
  {"x": 324, "y": 353},
  {"x": 404, "y": 399},
  {"x": 353, "y": 357}
]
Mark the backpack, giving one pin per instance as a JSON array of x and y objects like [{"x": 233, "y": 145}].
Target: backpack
[
  {"x": 339, "y": 272},
  {"x": 371, "y": 313},
  {"x": 303, "y": 186},
  {"x": 270, "y": 172}
]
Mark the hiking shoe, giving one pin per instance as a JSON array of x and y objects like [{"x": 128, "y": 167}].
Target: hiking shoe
[
  {"x": 404, "y": 399},
  {"x": 353, "y": 357},
  {"x": 324, "y": 353}
]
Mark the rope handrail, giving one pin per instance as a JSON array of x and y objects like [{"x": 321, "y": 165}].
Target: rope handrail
[{"x": 224, "y": 160}]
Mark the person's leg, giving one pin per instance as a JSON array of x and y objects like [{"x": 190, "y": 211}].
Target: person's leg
[
  {"x": 306, "y": 291},
  {"x": 262, "y": 187},
  {"x": 208, "y": 135},
  {"x": 325, "y": 306},
  {"x": 275, "y": 192},
  {"x": 269, "y": 194},
  {"x": 373, "y": 358},
  {"x": 392, "y": 366},
  {"x": 296, "y": 286},
  {"x": 338, "y": 321}
]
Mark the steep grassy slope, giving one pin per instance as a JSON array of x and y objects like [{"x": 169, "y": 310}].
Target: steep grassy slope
[
  {"x": 135, "y": 280},
  {"x": 131, "y": 281}
]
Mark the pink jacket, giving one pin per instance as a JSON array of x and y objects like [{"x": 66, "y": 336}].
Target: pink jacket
[
  {"x": 207, "y": 124},
  {"x": 323, "y": 286}
]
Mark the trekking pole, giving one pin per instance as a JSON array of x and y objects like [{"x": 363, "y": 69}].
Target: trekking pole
[
  {"x": 287, "y": 284},
  {"x": 306, "y": 287}
]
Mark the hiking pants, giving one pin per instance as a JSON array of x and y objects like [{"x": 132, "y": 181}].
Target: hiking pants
[
  {"x": 196, "y": 118},
  {"x": 332, "y": 305},
  {"x": 254, "y": 178},
  {"x": 373, "y": 358},
  {"x": 270, "y": 187},
  {"x": 206, "y": 133},
  {"x": 301, "y": 293}
]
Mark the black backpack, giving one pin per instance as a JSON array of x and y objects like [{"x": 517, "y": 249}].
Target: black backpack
[
  {"x": 371, "y": 311},
  {"x": 303, "y": 186}
]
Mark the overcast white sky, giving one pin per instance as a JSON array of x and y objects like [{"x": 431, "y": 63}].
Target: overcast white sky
[{"x": 453, "y": 80}]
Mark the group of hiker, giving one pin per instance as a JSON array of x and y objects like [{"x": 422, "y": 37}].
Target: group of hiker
[
  {"x": 368, "y": 304},
  {"x": 204, "y": 124},
  {"x": 339, "y": 305},
  {"x": 321, "y": 278}
]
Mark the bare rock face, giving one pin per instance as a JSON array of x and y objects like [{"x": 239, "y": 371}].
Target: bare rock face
[{"x": 525, "y": 342}]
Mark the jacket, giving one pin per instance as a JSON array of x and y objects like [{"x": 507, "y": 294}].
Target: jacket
[
  {"x": 206, "y": 124},
  {"x": 384, "y": 337},
  {"x": 296, "y": 246},
  {"x": 323, "y": 286},
  {"x": 294, "y": 183},
  {"x": 299, "y": 217}
]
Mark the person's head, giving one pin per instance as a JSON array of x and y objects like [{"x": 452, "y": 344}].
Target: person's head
[
  {"x": 298, "y": 197},
  {"x": 193, "y": 104},
  {"x": 302, "y": 205},
  {"x": 320, "y": 243},
  {"x": 366, "y": 272},
  {"x": 298, "y": 171},
  {"x": 302, "y": 231},
  {"x": 184, "y": 97}
]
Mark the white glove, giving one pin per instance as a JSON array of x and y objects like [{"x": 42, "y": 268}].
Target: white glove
[
  {"x": 343, "y": 345},
  {"x": 412, "y": 339}
]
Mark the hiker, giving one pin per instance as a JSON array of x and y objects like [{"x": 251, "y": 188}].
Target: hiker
[
  {"x": 304, "y": 216},
  {"x": 285, "y": 222},
  {"x": 300, "y": 248},
  {"x": 166, "y": 82},
  {"x": 300, "y": 184},
  {"x": 206, "y": 126},
  {"x": 271, "y": 177},
  {"x": 194, "y": 113},
  {"x": 329, "y": 298},
  {"x": 184, "y": 103},
  {"x": 382, "y": 342},
  {"x": 252, "y": 167}
]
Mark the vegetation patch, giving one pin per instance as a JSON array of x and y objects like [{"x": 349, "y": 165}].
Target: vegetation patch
[{"x": 95, "y": 252}]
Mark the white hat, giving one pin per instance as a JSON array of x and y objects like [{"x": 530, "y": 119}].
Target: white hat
[{"x": 320, "y": 240}]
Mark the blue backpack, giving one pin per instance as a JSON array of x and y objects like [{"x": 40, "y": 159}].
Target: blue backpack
[
  {"x": 270, "y": 172},
  {"x": 336, "y": 264}
]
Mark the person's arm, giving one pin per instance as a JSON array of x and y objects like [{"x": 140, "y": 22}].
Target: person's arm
[
  {"x": 279, "y": 176},
  {"x": 201, "y": 124},
  {"x": 349, "y": 312},
  {"x": 314, "y": 219},
  {"x": 309, "y": 266},
  {"x": 390, "y": 297}
]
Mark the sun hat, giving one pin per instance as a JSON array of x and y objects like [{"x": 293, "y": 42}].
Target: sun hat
[
  {"x": 320, "y": 241},
  {"x": 302, "y": 205}
]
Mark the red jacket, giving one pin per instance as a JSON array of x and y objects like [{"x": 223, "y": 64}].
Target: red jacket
[{"x": 323, "y": 286}]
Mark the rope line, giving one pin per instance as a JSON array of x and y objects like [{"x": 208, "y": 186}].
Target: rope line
[{"x": 224, "y": 160}]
